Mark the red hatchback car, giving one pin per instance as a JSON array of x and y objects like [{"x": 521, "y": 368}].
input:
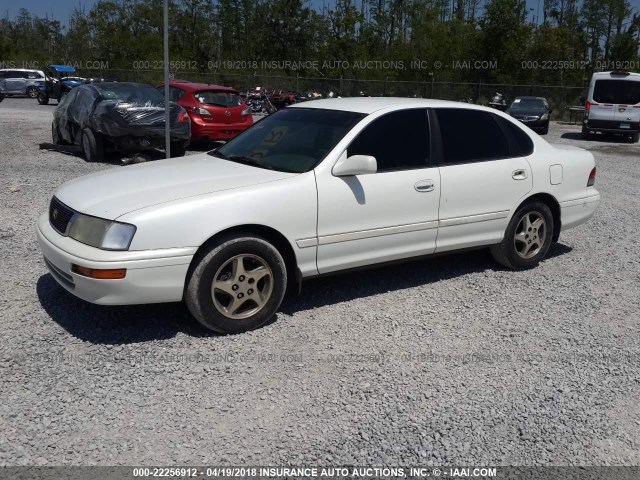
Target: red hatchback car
[{"x": 216, "y": 112}]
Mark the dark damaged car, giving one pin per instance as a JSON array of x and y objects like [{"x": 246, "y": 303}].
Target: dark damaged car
[{"x": 124, "y": 117}]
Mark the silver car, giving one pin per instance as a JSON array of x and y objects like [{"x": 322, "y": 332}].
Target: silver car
[{"x": 19, "y": 81}]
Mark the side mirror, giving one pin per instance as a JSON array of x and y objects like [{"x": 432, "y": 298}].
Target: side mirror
[
  {"x": 354, "y": 165},
  {"x": 551, "y": 110}
]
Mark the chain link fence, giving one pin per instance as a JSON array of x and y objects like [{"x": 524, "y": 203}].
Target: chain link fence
[{"x": 560, "y": 97}]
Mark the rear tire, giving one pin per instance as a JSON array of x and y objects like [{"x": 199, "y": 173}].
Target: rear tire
[
  {"x": 32, "y": 92},
  {"x": 527, "y": 238},
  {"x": 635, "y": 138},
  {"x": 237, "y": 285},
  {"x": 178, "y": 150},
  {"x": 92, "y": 146},
  {"x": 43, "y": 98}
]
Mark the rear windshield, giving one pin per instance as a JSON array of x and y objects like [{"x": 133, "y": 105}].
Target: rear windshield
[
  {"x": 129, "y": 92},
  {"x": 218, "y": 98},
  {"x": 617, "y": 91}
]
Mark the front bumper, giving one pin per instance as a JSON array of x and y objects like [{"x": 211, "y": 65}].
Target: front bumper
[{"x": 153, "y": 276}]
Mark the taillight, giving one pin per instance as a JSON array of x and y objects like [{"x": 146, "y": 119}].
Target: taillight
[
  {"x": 592, "y": 177},
  {"x": 183, "y": 116},
  {"x": 200, "y": 111},
  {"x": 587, "y": 107}
]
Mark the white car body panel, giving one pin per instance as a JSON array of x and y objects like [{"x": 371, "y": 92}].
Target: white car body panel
[{"x": 331, "y": 223}]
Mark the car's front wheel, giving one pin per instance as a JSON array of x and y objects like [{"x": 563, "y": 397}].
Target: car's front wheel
[
  {"x": 55, "y": 134},
  {"x": 527, "y": 238},
  {"x": 92, "y": 146},
  {"x": 32, "y": 92},
  {"x": 236, "y": 285}
]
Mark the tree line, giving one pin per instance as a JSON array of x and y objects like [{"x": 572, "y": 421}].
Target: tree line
[{"x": 560, "y": 42}]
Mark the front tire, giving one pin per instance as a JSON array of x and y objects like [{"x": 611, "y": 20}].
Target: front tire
[
  {"x": 237, "y": 285},
  {"x": 55, "y": 134},
  {"x": 92, "y": 146},
  {"x": 43, "y": 98},
  {"x": 527, "y": 238}
]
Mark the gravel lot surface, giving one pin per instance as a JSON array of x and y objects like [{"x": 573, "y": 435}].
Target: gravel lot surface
[{"x": 450, "y": 361}]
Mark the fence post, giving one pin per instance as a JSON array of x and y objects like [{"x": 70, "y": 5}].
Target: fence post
[
  {"x": 341, "y": 87},
  {"x": 384, "y": 89}
]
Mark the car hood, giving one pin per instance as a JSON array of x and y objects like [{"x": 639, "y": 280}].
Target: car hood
[
  {"x": 529, "y": 112},
  {"x": 115, "y": 192}
]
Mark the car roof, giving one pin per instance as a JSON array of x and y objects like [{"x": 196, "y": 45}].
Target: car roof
[
  {"x": 194, "y": 87},
  {"x": 373, "y": 104},
  {"x": 20, "y": 69},
  {"x": 530, "y": 98},
  {"x": 618, "y": 74}
]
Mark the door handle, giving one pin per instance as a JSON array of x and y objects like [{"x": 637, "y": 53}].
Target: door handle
[
  {"x": 520, "y": 174},
  {"x": 424, "y": 186}
]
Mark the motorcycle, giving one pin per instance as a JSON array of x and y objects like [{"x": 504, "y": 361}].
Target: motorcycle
[{"x": 498, "y": 102}]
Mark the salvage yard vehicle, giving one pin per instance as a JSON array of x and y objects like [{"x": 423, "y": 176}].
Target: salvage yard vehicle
[
  {"x": 216, "y": 112},
  {"x": 532, "y": 111},
  {"x": 125, "y": 117},
  {"x": 315, "y": 188},
  {"x": 613, "y": 105},
  {"x": 56, "y": 85},
  {"x": 20, "y": 81}
]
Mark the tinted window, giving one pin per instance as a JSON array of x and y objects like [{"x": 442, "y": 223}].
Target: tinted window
[
  {"x": 398, "y": 141},
  {"x": 520, "y": 144},
  {"x": 292, "y": 140},
  {"x": 529, "y": 104},
  {"x": 129, "y": 92},
  {"x": 218, "y": 98},
  {"x": 14, "y": 74},
  {"x": 175, "y": 93},
  {"x": 470, "y": 135},
  {"x": 3, "y": 74},
  {"x": 617, "y": 91}
]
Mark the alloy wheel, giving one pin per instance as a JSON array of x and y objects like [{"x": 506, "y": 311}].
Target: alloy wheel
[
  {"x": 530, "y": 235},
  {"x": 242, "y": 286}
]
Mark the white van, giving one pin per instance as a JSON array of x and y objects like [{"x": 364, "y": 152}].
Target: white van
[{"x": 613, "y": 104}]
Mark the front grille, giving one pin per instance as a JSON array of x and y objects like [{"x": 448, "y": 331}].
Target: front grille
[{"x": 59, "y": 215}]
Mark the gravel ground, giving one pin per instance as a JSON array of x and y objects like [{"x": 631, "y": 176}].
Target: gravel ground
[{"x": 451, "y": 360}]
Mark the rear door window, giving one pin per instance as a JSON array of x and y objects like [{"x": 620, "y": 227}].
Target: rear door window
[
  {"x": 626, "y": 92},
  {"x": 470, "y": 136}
]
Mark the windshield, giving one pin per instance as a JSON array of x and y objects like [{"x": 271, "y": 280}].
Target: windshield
[
  {"x": 218, "y": 98},
  {"x": 291, "y": 140},
  {"x": 130, "y": 93},
  {"x": 529, "y": 104},
  {"x": 617, "y": 91}
]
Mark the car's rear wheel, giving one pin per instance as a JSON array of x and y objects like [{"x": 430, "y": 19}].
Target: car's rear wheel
[
  {"x": 237, "y": 285},
  {"x": 92, "y": 146},
  {"x": 635, "y": 138},
  {"x": 527, "y": 238},
  {"x": 32, "y": 92},
  {"x": 178, "y": 150},
  {"x": 43, "y": 98}
]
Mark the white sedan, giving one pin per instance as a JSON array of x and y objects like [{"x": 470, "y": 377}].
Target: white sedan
[{"x": 315, "y": 188}]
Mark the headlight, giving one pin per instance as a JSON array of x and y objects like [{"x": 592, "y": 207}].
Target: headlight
[
  {"x": 246, "y": 111},
  {"x": 101, "y": 233},
  {"x": 545, "y": 117}
]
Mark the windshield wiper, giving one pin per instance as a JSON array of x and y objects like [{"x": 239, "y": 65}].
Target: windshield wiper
[{"x": 247, "y": 161}]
